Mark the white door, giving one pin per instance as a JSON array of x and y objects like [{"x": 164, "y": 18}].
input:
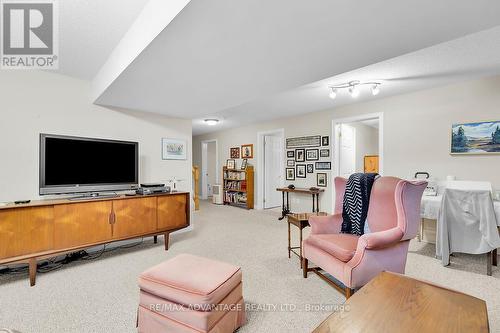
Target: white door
[
  {"x": 347, "y": 156},
  {"x": 273, "y": 177}
]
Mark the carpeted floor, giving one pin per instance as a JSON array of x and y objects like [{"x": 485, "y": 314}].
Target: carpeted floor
[{"x": 101, "y": 295}]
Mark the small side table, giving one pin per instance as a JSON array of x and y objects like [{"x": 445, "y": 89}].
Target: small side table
[{"x": 301, "y": 221}]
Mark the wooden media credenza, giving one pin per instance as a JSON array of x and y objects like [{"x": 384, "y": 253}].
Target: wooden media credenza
[{"x": 47, "y": 228}]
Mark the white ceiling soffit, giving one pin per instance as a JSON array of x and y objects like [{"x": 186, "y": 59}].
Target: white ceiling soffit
[
  {"x": 155, "y": 16},
  {"x": 89, "y": 30},
  {"x": 469, "y": 57},
  {"x": 219, "y": 54}
]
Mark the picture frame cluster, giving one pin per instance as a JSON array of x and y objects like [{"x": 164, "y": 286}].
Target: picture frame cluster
[
  {"x": 300, "y": 151},
  {"x": 245, "y": 152}
]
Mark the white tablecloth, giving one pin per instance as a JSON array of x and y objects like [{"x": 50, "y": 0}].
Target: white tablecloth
[{"x": 431, "y": 205}]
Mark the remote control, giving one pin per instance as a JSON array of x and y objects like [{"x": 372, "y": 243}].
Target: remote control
[{"x": 22, "y": 202}]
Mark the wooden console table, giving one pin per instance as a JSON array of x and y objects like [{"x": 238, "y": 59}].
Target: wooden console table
[
  {"x": 286, "y": 203},
  {"x": 396, "y": 303},
  {"x": 48, "y": 228}
]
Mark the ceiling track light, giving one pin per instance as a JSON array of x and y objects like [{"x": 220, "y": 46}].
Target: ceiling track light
[{"x": 353, "y": 88}]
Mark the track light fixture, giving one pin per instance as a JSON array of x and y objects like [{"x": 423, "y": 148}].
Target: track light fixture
[{"x": 353, "y": 88}]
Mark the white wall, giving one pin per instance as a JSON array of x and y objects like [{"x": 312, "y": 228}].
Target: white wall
[
  {"x": 34, "y": 102},
  {"x": 211, "y": 161},
  {"x": 366, "y": 143},
  {"x": 417, "y": 130}
]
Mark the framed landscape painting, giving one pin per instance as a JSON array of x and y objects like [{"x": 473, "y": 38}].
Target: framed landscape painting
[
  {"x": 475, "y": 138},
  {"x": 173, "y": 149}
]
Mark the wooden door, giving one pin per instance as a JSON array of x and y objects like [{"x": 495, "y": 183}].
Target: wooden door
[
  {"x": 26, "y": 230},
  {"x": 172, "y": 212},
  {"x": 81, "y": 223},
  {"x": 134, "y": 217}
]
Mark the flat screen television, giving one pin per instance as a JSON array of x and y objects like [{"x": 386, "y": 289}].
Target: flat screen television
[{"x": 81, "y": 165}]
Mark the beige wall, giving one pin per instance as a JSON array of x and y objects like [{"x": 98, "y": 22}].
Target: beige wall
[
  {"x": 416, "y": 132},
  {"x": 34, "y": 102}
]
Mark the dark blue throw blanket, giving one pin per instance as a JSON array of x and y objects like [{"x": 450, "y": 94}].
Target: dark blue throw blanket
[{"x": 356, "y": 201}]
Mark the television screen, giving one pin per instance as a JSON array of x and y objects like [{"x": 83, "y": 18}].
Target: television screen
[{"x": 71, "y": 164}]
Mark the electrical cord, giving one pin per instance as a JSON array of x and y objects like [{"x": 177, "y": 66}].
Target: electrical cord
[{"x": 53, "y": 264}]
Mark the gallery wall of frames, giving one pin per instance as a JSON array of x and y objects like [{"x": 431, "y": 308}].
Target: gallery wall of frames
[{"x": 308, "y": 156}]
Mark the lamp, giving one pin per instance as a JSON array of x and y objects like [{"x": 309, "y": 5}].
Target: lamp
[
  {"x": 211, "y": 122},
  {"x": 353, "y": 88},
  {"x": 333, "y": 93}
]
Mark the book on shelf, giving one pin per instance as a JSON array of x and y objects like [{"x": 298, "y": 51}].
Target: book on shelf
[{"x": 236, "y": 197}]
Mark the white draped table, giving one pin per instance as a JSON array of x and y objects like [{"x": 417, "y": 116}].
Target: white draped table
[{"x": 432, "y": 204}]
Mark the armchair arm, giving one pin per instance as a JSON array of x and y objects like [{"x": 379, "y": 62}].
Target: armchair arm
[
  {"x": 330, "y": 224},
  {"x": 380, "y": 239}
]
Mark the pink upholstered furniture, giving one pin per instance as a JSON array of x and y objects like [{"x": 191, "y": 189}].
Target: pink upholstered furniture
[
  {"x": 393, "y": 219},
  {"x": 189, "y": 294}
]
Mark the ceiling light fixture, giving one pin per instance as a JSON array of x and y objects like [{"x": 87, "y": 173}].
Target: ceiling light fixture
[
  {"x": 333, "y": 93},
  {"x": 353, "y": 88},
  {"x": 211, "y": 122}
]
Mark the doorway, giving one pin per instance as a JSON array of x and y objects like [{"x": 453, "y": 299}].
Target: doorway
[
  {"x": 209, "y": 167},
  {"x": 358, "y": 145},
  {"x": 272, "y": 166}
]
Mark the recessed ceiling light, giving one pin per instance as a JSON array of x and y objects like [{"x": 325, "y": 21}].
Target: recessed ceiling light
[{"x": 211, "y": 122}]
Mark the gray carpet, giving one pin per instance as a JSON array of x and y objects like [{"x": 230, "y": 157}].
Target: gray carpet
[{"x": 101, "y": 295}]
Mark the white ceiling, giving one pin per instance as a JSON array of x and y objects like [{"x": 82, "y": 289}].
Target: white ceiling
[
  {"x": 217, "y": 56},
  {"x": 469, "y": 57},
  {"x": 89, "y": 30}
]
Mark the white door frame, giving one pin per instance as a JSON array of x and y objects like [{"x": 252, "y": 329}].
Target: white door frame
[
  {"x": 336, "y": 141},
  {"x": 204, "y": 167},
  {"x": 260, "y": 163}
]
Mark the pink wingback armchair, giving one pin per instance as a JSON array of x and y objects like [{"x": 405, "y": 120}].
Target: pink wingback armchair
[{"x": 393, "y": 219}]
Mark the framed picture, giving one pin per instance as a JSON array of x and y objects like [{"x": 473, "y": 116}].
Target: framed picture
[
  {"x": 312, "y": 154},
  {"x": 325, "y": 141},
  {"x": 235, "y": 152},
  {"x": 303, "y": 141},
  {"x": 475, "y": 138},
  {"x": 310, "y": 168},
  {"x": 173, "y": 149},
  {"x": 324, "y": 153},
  {"x": 290, "y": 173},
  {"x": 231, "y": 164},
  {"x": 290, "y": 163},
  {"x": 247, "y": 151},
  {"x": 300, "y": 155},
  {"x": 290, "y": 154},
  {"x": 321, "y": 180},
  {"x": 301, "y": 170},
  {"x": 323, "y": 165},
  {"x": 244, "y": 164}
]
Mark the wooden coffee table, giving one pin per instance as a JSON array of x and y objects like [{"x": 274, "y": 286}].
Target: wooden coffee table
[
  {"x": 396, "y": 303},
  {"x": 301, "y": 221}
]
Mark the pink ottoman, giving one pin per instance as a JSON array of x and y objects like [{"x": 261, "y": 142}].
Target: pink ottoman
[{"x": 191, "y": 294}]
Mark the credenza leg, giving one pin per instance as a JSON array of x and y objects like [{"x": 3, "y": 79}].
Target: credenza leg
[
  {"x": 32, "y": 271},
  {"x": 155, "y": 239},
  {"x": 167, "y": 236}
]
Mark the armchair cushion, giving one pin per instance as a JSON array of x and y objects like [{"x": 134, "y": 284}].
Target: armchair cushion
[
  {"x": 329, "y": 224},
  {"x": 341, "y": 246}
]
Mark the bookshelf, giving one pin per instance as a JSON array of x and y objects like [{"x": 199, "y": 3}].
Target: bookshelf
[{"x": 238, "y": 187}]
